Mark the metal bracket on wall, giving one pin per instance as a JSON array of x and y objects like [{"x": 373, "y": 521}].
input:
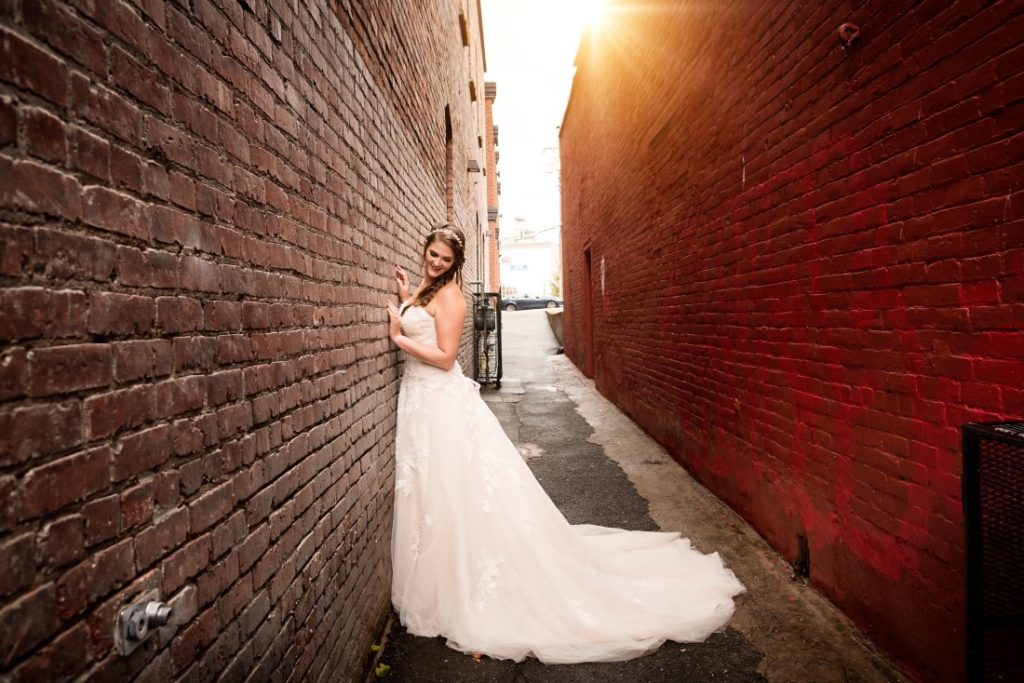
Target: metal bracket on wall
[
  {"x": 137, "y": 621},
  {"x": 848, "y": 33}
]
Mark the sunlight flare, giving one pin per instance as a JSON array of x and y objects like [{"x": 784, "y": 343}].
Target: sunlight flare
[{"x": 592, "y": 12}]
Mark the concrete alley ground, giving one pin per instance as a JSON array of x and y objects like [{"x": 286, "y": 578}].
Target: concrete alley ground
[{"x": 600, "y": 468}]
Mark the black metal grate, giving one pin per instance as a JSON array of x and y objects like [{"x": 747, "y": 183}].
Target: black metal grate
[
  {"x": 993, "y": 499},
  {"x": 487, "y": 339},
  {"x": 1001, "y": 474}
]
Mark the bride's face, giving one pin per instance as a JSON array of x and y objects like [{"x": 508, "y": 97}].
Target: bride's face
[{"x": 438, "y": 259}]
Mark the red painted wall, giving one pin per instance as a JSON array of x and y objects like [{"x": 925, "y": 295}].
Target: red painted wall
[{"x": 807, "y": 272}]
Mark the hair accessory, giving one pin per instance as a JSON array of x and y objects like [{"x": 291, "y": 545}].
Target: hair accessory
[{"x": 449, "y": 232}]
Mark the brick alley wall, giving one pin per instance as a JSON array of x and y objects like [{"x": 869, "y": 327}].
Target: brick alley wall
[
  {"x": 201, "y": 204},
  {"x": 806, "y": 272}
]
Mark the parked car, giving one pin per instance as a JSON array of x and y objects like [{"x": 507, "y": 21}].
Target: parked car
[{"x": 519, "y": 303}]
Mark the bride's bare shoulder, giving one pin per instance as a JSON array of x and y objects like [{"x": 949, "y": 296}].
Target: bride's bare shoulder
[{"x": 451, "y": 295}]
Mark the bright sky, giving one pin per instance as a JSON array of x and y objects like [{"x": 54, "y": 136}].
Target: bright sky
[{"x": 530, "y": 48}]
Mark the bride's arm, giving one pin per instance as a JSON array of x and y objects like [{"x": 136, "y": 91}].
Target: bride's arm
[{"x": 449, "y": 316}]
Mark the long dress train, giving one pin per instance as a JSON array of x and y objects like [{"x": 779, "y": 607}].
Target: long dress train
[{"x": 483, "y": 557}]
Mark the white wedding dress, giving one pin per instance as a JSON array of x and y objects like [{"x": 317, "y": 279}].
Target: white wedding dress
[{"x": 483, "y": 557}]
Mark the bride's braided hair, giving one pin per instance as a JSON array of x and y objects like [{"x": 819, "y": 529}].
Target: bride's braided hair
[{"x": 455, "y": 240}]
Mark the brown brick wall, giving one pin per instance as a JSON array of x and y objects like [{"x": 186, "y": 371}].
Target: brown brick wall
[
  {"x": 201, "y": 205},
  {"x": 807, "y": 272}
]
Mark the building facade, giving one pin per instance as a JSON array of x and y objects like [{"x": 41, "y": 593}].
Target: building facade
[
  {"x": 202, "y": 207},
  {"x": 493, "y": 277},
  {"x": 531, "y": 266},
  {"x": 793, "y": 252}
]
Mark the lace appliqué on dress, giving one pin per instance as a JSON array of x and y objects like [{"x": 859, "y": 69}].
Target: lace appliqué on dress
[
  {"x": 494, "y": 472},
  {"x": 406, "y": 463},
  {"x": 577, "y": 609},
  {"x": 488, "y": 566}
]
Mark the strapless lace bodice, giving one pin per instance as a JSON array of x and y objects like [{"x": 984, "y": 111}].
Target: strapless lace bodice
[{"x": 419, "y": 326}]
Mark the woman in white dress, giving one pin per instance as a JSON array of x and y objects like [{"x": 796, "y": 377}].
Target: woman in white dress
[{"x": 480, "y": 553}]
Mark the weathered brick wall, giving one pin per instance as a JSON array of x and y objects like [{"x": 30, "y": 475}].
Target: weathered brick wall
[
  {"x": 201, "y": 204},
  {"x": 807, "y": 272}
]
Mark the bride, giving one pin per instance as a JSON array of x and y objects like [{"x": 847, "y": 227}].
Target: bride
[{"x": 480, "y": 553}]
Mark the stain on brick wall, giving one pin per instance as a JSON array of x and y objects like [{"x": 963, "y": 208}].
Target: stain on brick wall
[
  {"x": 805, "y": 263},
  {"x": 201, "y": 205}
]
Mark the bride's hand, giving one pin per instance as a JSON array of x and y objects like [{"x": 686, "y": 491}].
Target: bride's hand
[
  {"x": 394, "y": 321},
  {"x": 403, "y": 282}
]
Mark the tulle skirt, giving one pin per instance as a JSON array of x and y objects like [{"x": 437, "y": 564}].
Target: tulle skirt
[{"x": 483, "y": 557}]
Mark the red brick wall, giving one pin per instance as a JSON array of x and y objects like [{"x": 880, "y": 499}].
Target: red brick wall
[
  {"x": 201, "y": 204},
  {"x": 807, "y": 272}
]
